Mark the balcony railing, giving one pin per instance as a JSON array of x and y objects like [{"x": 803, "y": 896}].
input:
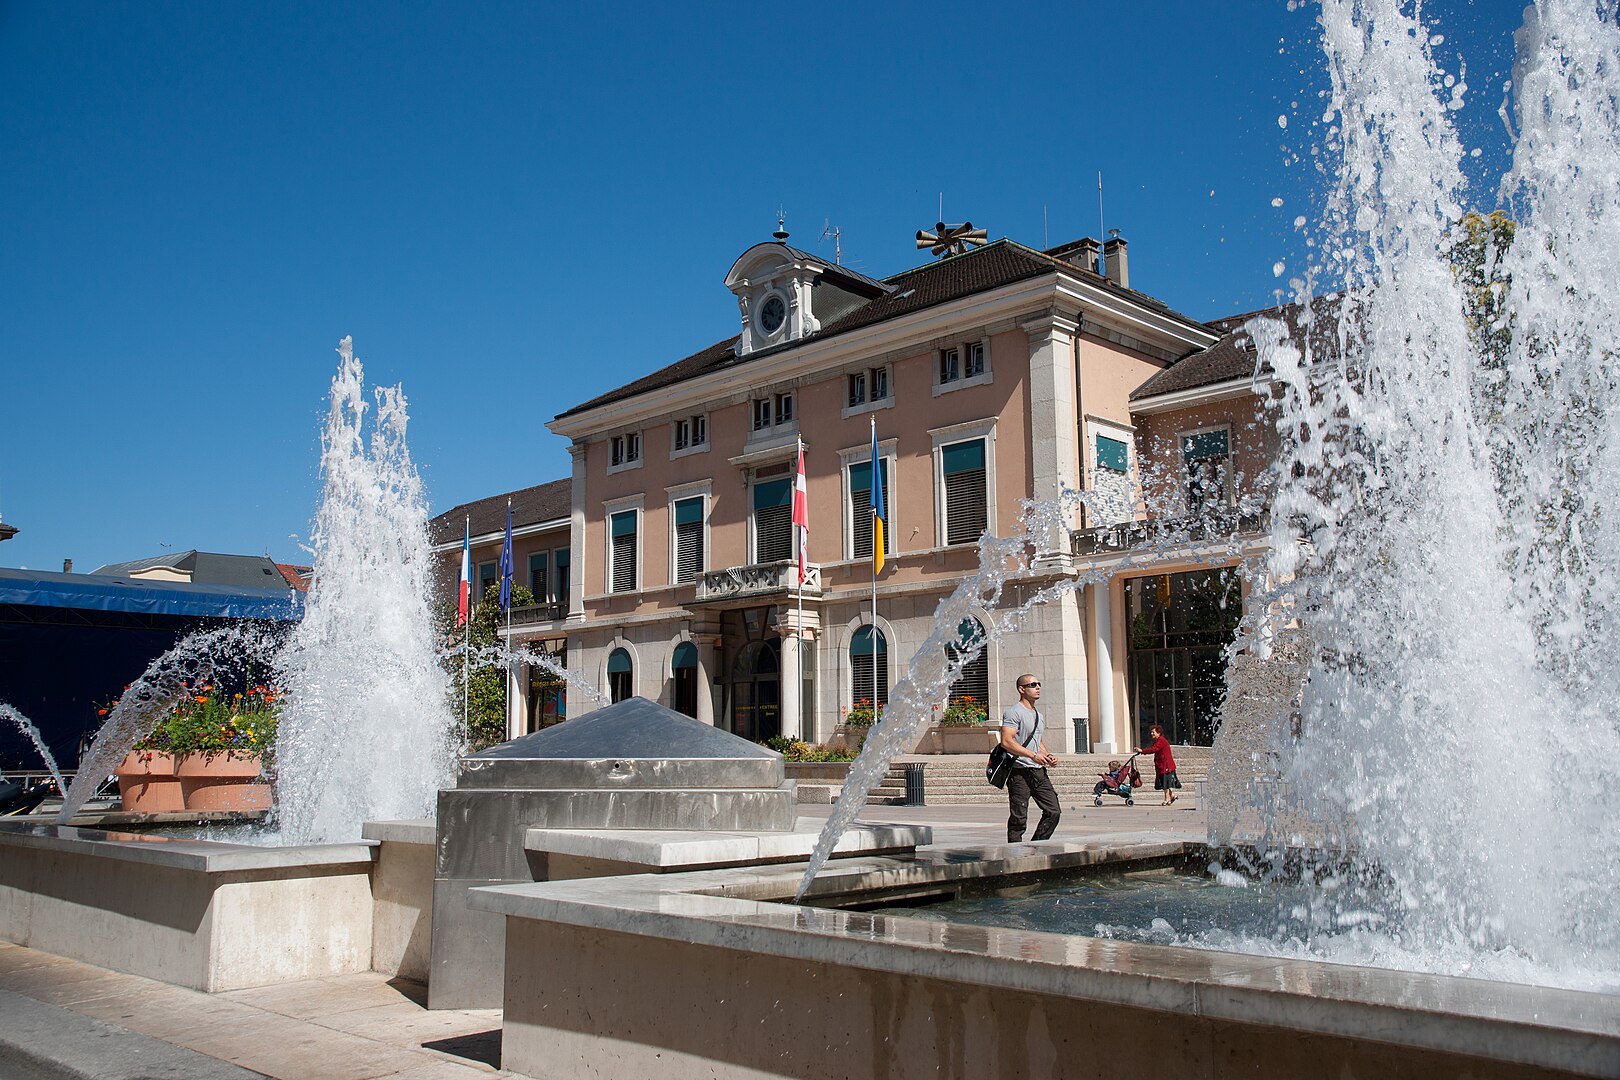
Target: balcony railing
[
  {"x": 760, "y": 579},
  {"x": 1209, "y": 526},
  {"x": 539, "y": 613}
]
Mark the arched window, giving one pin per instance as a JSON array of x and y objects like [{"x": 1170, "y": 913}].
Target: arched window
[
  {"x": 869, "y": 667},
  {"x": 972, "y": 687},
  {"x": 619, "y": 675},
  {"x": 684, "y": 665}
]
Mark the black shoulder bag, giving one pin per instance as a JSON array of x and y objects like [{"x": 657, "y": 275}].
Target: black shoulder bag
[{"x": 1000, "y": 765}]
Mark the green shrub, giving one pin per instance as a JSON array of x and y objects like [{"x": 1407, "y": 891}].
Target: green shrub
[
  {"x": 965, "y": 710},
  {"x": 208, "y": 720}
]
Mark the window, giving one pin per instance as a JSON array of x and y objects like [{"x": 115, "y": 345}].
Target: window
[
  {"x": 966, "y": 508},
  {"x": 1111, "y": 454},
  {"x": 688, "y": 539},
  {"x": 489, "y": 574},
  {"x": 623, "y": 570},
  {"x": 1208, "y": 458},
  {"x": 973, "y": 685},
  {"x": 624, "y": 449},
  {"x": 860, "y": 508},
  {"x": 537, "y": 577},
  {"x": 880, "y": 383},
  {"x": 869, "y": 667},
  {"x": 690, "y": 432},
  {"x": 950, "y": 365},
  {"x": 773, "y": 411},
  {"x": 857, "y": 389},
  {"x": 559, "y": 559},
  {"x": 773, "y": 520},
  {"x": 620, "y": 675},
  {"x": 975, "y": 360},
  {"x": 684, "y": 668}
]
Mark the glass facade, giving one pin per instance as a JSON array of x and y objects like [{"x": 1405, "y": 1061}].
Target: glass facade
[{"x": 1180, "y": 627}]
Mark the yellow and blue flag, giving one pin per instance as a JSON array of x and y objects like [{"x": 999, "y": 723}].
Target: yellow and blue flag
[{"x": 879, "y": 514}]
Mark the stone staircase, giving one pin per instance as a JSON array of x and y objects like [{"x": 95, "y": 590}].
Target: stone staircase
[{"x": 957, "y": 779}]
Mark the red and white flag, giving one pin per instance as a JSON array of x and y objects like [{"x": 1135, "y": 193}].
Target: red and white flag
[
  {"x": 466, "y": 574},
  {"x": 801, "y": 515}
]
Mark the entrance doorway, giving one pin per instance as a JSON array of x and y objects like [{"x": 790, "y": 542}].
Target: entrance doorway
[
  {"x": 684, "y": 666},
  {"x": 756, "y": 690},
  {"x": 1181, "y": 625}
]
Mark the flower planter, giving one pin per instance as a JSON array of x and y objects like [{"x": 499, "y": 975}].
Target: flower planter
[
  {"x": 148, "y": 783},
  {"x": 222, "y": 780},
  {"x": 847, "y": 737},
  {"x": 961, "y": 738}
]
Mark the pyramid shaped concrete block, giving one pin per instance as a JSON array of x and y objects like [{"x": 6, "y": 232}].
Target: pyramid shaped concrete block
[{"x": 633, "y": 743}]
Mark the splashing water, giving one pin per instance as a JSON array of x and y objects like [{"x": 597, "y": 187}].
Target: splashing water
[
  {"x": 26, "y": 726},
  {"x": 1024, "y": 557},
  {"x": 1457, "y": 495},
  {"x": 366, "y": 728}
]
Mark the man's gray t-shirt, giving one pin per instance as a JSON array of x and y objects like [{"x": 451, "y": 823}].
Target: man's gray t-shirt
[{"x": 1026, "y": 720}]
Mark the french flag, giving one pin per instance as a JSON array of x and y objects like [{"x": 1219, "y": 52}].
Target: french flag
[{"x": 466, "y": 574}]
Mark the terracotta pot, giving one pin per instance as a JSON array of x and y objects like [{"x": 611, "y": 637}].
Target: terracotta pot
[
  {"x": 225, "y": 780},
  {"x": 148, "y": 784},
  {"x": 848, "y": 737}
]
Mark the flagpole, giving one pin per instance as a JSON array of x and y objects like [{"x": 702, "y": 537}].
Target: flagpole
[
  {"x": 466, "y": 639},
  {"x": 511, "y": 572},
  {"x": 876, "y": 540},
  {"x": 798, "y": 641}
]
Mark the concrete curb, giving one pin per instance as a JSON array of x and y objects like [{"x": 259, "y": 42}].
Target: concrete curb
[{"x": 44, "y": 1042}]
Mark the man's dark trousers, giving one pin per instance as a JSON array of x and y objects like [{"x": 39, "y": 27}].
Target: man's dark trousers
[{"x": 1022, "y": 784}]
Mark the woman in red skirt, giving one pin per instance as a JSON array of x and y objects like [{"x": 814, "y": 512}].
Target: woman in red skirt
[{"x": 1164, "y": 764}]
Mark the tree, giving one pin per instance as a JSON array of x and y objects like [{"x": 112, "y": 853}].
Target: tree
[{"x": 485, "y": 688}]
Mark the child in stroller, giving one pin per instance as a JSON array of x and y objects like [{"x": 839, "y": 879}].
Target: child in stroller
[{"x": 1119, "y": 780}]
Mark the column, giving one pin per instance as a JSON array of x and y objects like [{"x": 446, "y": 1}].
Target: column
[
  {"x": 576, "y": 536},
  {"x": 1102, "y": 667},
  {"x": 1054, "y": 413},
  {"x": 792, "y": 685},
  {"x": 517, "y": 698}
]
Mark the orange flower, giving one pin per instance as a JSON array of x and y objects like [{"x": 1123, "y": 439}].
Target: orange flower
[
  {"x": 201, "y": 700},
  {"x": 101, "y": 712}
]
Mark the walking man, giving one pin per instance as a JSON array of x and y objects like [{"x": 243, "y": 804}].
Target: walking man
[{"x": 1023, "y": 734}]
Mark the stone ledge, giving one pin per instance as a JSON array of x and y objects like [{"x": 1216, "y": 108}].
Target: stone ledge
[{"x": 196, "y": 855}]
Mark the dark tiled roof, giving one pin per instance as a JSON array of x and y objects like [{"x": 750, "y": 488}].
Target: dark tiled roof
[
  {"x": 1233, "y": 357},
  {"x": 530, "y": 506},
  {"x": 205, "y": 568},
  {"x": 992, "y": 266}
]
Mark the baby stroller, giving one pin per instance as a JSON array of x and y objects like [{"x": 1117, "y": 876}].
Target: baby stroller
[{"x": 1122, "y": 782}]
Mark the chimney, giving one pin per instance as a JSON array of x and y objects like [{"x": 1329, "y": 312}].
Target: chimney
[
  {"x": 1114, "y": 266},
  {"x": 1082, "y": 253},
  {"x": 67, "y": 566}
]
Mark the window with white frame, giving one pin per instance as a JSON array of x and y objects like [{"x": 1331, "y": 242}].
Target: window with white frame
[
  {"x": 691, "y": 432},
  {"x": 688, "y": 539},
  {"x": 857, "y": 389},
  {"x": 773, "y": 411},
  {"x": 624, "y": 449},
  {"x": 622, "y": 572},
  {"x": 773, "y": 520},
  {"x": 860, "y": 508},
  {"x": 1207, "y": 456},
  {"x": 962, "y": 466},
  {"x": 539, "y": 583},
  {"x": 878, "y": 379},
  {"x": 967, "y": 364}
]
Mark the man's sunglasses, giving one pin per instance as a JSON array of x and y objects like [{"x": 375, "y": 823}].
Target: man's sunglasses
[{"x": 1029, "y": 686}]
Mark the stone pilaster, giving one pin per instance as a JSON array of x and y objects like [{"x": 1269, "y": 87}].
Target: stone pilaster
[
  {"x": 576, "y": 536},
  {"x": 1054, "y": 413}
]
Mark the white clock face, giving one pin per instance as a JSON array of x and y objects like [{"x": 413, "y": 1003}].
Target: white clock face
[{"x": 772, "y": 313}]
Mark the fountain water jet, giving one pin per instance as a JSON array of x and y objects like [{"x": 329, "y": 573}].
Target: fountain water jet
[{"x": 26, "y": 726}]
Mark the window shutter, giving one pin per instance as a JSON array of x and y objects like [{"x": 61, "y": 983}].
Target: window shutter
[
  {"x": 1206, "y": 444},
  {"x": 1110, "y": 454},
  {"x": 624, "y": 551},
  {"x": 860, "y": 503},
  {"x": 966, "y": 507},
  {"x": 688, "y": 540},
  {"x": 974, "y": 682},
  {"x": 773, "y": 521}
]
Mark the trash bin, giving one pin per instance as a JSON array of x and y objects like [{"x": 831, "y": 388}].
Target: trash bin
[
  {"x": 1082, "y": 735},
  {"x": 914, "y": 784}
]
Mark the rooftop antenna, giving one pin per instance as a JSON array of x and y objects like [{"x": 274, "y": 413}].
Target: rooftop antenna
[
  {"x": 1046, "y": 234},
  {"x": 1102, "y": 229},
  {"x": 781, "y": 232},
  {"x": 829, "y": 229}
]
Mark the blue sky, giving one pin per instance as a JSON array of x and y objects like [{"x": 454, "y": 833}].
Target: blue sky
[{"x": 514, "y": 207}]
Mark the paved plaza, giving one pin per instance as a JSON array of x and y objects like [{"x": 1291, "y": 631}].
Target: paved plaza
[{"x": 65, "y": 1019}]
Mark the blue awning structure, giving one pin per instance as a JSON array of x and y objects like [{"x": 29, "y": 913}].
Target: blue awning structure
[{"x": 91, "y": 592}]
